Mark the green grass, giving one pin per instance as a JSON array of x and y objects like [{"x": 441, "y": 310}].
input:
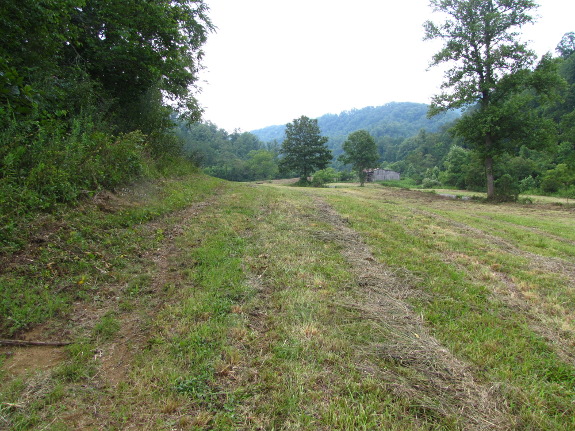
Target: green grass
[
  {"x": 462, "y": 307},
  {"x": 258, "y": 320},
  {"x": 79, "y": 252}
]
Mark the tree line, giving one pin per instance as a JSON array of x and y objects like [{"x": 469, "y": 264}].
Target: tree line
[
  {"x": 95, "y": 93},
  {"x": 517, "y": 130}
]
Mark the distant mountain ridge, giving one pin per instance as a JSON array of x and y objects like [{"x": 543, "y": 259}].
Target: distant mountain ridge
[{"x": 395, "y": 119}]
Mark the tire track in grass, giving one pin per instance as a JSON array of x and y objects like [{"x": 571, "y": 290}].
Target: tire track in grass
[
  {"x": 116, "y": 361},
  {"x": 557, "y": 334},
  {"x": 113, "y": 348},
  {"x": 421, "y": 369}
]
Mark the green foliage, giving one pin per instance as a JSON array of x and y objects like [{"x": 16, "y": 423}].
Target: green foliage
[
  {"x": 456, "y": 167},
  {"x": 324, "y": 176},
  {"x": 58, "y": 165},
  {"x": 131, "y": 46},
  {"x": 566, "y": 47},
  {"x": 431, "y": 178},
  {"x": 360, "y": 152},
  {"x": 490, "y": 72},
  {"x": 303, "y": 149},
  {"x": 83, "y": 85},
  {"x": 262, "y": 165},
  {"x": 394, "y": 120},
  {"x": 481, "y": 45},
  {"x": 561, "y": 177},
  {"x": 347, "y": 176},
  {"x": 238, "y": 156},
  {"x": 527, "y": 184},
  {"x": 507, "y": 188}
]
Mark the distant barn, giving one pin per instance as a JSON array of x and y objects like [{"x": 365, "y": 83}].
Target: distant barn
[{"x": 381, "y": 175}]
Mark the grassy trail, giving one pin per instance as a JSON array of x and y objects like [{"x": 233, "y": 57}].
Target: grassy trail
[{"x": 212, "y": 305}]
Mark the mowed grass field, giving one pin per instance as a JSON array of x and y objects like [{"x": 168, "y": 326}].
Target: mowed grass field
[{"x": 199, "y": 304}]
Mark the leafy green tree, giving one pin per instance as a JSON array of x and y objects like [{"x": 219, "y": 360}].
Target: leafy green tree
[
  {"x": 325, "y": 176},
  {"x": 490, "y": 74},
  {"x": 360, "y": 152},
  {"x": 303, "y": 149},
  {"x": 262, "y": 165},
  {"x": 243, "y": 143},
  {"x": 83, "y": 89},
  {"x": 34, "y": 33},
  {"x": 131, "y": 46},
  {"x": 567, "y": 45}
]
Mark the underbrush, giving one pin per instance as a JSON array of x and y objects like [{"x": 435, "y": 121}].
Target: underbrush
[{"x": 48, "y": 161}]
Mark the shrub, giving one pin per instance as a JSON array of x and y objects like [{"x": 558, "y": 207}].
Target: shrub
[
  {"x": 527, "y": 183},
  {"x": 347, "y": 176},
  {"x": 52, "y": 160},
  {"x": 506, "y": 189},
  {"x": 324, "y": 176},
  {"x": 430, "y": 183},
  {"x": 550, "y": 184}
]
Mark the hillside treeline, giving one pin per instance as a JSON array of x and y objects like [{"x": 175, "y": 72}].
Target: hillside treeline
[
  {"x": 87, "y": 91},
  {"x": 529, "y": 166},
  {"x": 237, "y": 156},
  {"x": 247, "y": 156},
  {"x": 424, "y": 150},
  {"x": 395, "y": 120}
]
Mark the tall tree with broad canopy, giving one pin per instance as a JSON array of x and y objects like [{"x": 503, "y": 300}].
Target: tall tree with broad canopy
[
  {"x": 132, "y": 46},
  {"x": 491, "y": 75},
  {"x": 360, "y": 151},
  {"x": 303, "y": 149}
]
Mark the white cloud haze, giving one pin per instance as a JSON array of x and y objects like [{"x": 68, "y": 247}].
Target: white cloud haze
[{"x": 271, "y": 61}]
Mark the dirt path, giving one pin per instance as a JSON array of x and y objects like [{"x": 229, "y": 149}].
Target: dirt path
[
  {"x": 114, "y": 358},
  {"x": 442, "y": 382}
]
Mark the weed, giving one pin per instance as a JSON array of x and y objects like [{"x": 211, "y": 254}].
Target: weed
[{"x": 107, "y": 327}]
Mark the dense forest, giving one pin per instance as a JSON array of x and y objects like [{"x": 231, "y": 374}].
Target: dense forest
[
  {"x": 246, "y": 156},
  {"x": 88, "y": 91},
  {"x": 395, "y": 120}
]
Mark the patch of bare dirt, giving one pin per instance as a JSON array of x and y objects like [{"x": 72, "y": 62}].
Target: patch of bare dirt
[
  {"x": 439, "y": 381},
  {"x": 115, "y": 357},
  {"x": 24, "y": 360}
]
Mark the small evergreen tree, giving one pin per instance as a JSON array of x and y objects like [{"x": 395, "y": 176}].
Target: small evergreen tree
[{"x": 303, "y": 149}]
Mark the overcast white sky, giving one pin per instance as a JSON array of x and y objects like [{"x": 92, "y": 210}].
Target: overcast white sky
[{"x": 271, "y": 61}]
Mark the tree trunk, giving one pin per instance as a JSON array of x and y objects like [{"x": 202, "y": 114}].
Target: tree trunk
[
  {"x": 33, "y": 343},
  {"x": 489, "y": 177},
  {"x": 489, "y": 168}
]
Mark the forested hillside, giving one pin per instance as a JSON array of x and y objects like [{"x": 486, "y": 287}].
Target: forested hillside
[
  {"x": 139, "y": 293},
  {"x": 425, "y": 151},
  {"x": 395, "y": 120},
  {"x": 241, "y": 156}
]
